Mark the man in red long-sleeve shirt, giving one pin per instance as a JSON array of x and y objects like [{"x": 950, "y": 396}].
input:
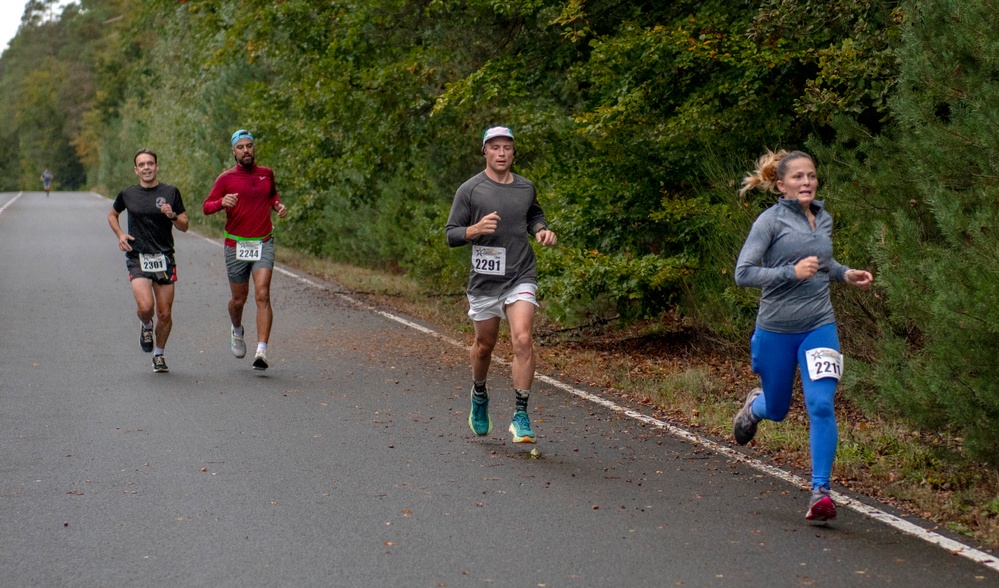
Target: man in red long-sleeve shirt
[{"x": 248, "y": 195}]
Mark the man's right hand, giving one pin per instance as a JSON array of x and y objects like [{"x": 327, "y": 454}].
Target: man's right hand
[
  {"x": 123, "y": 240},
  {"x": 486, "y": 226},
  {"x": 229, "y": 200}
]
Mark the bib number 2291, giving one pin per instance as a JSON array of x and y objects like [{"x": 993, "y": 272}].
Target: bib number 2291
[{"x": 489, "y": 260}]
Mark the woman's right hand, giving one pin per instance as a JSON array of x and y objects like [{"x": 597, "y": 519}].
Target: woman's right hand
[{"x": 806, "y": 268}]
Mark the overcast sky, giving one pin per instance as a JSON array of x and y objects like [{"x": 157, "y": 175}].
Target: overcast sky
[{"x": 10, "y": 18}]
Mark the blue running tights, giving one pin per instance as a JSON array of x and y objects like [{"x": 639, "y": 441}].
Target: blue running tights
[{"x": 776, "y": 357}]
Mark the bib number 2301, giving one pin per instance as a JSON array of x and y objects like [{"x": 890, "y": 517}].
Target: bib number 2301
[
  {"x": 824, "y": 362},
  {"x": 489, "y": 260},
  {"x": 249, "y": 250},
  {"x": 153, "y": 263}
]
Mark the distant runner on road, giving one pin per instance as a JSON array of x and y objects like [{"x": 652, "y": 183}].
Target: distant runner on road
[
  {"x": 247, "y": 192},
  {"x": 789, "y": 254},
  {"x": 496, "y": 211},
  {"x": 154, "y": 209},
  {"x": 46, "y": 178}
]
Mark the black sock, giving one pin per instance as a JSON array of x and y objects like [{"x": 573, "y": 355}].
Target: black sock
[
  {"x": 479, "y": 388},
  {"x": 522, "y": 396}
]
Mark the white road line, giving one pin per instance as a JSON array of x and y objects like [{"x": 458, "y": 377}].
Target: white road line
[
  {"x": 899, "y": 524},
  {"x": 12, "y": 201}
]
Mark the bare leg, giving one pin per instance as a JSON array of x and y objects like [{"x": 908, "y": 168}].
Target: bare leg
[
  {"x": 520, "y": 315},
  {"x": 262, "y": 294},
  {"x": 164, "y": 318},
  {"x": 486, "y": 333},
  {"x": 142, "y": 289},
  {"x": 237, "y": 302}
]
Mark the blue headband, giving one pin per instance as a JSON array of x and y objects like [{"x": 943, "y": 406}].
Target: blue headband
[{"x": 241, "y": 134}]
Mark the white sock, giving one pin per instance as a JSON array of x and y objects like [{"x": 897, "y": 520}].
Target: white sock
[
  {"x": 261, "y": 347},
  {"x": 238, "y": 331}
]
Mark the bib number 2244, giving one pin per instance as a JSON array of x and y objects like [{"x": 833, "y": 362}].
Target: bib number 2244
[{"x": 249, "y": 250}]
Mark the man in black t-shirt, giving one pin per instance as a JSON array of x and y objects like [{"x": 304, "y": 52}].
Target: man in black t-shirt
[{"x": 154, "y": 209}]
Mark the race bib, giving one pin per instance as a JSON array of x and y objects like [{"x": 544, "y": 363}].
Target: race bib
[
  {"x": 249, "y": 250},
  {"x": 824, "y": 363},
  {"x": 489, "y": 260},
  {"x": 153, "y": 263}
]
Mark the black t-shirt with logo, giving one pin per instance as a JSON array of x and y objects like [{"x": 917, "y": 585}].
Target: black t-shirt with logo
[{"x": 152, "y": 230}]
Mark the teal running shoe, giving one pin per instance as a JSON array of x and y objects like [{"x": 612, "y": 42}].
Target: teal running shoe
[
  {"x": 521, "y": 428},
  {"x": 478, "y": 418}
]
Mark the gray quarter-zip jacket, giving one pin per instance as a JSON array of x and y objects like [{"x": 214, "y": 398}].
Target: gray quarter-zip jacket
[{"x": 781, "y": 236}]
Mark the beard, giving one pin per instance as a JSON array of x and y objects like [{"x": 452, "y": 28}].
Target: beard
[{"x": 245, "y": 161}]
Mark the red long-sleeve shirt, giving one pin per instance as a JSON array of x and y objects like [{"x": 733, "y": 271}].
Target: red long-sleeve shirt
[{"x": 257, "y": 195}]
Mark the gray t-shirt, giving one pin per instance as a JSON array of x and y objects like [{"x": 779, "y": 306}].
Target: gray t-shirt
[
  {"x": 781, "y": 237},
  {"x": 520, "y": 218}
]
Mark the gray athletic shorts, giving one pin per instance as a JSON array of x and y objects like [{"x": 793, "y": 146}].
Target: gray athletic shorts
[{"x": 239, "y": 271}]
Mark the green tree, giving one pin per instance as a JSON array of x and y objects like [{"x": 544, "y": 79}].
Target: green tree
[
  {"x": 936, "y": 247},
  {"x": 922, "y": 196}
]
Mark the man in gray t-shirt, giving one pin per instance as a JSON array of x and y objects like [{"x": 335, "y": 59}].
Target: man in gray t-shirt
[{"x": 496, "y": 211}]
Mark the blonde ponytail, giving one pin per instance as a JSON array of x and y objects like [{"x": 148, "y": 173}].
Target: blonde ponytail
[
  {"x": 764, "y": 176},
  {"x": 770, "y": 168}
]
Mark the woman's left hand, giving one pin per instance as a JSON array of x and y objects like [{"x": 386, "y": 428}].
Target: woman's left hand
[{"x": 859, "y": 278}]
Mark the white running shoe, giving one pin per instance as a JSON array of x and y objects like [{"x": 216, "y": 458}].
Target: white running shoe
[
  {"x": 260, "y": 360},
  {"x": 236, "y": 344}
]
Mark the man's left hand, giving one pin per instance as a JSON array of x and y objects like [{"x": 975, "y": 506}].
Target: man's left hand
[
  {"x": 281, "y": 209},
  {"x": 545, "y": 237}
]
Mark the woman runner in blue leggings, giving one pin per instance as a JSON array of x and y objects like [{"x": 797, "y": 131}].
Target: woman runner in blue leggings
[{"x": 788, "y": 254}]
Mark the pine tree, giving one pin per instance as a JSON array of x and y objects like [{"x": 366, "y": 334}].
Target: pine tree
[{"x": 938, "y": 253}]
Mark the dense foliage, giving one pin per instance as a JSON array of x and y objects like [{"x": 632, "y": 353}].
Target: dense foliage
[
  {"x": 930, "y": 189},
  {"x": 635, "y": 119}
]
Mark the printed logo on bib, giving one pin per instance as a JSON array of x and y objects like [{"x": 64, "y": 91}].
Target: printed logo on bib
[
  {"x": 249, "y": 250},
  {"x": 153, "y": 263},
  {"x": 489, "y": 260},
  {"x": 824, "y": 362}
]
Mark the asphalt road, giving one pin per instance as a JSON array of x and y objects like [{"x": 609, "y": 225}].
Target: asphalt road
[{"x": 350, "y": 461}]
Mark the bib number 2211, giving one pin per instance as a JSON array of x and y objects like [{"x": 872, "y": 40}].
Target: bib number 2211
[{"x": 824, "y": 362}]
